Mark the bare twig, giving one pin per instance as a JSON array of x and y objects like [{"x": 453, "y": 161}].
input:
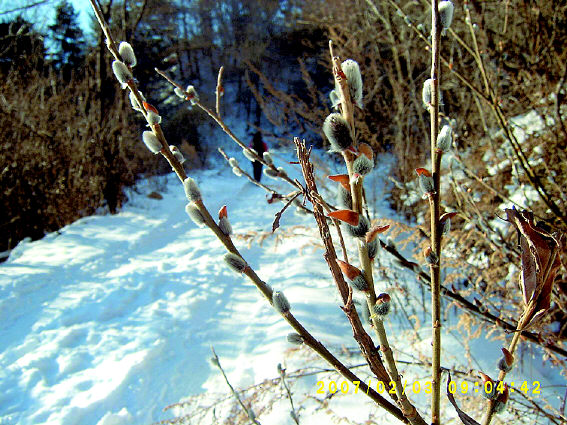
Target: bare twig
[{"x": 247, "y": 410}]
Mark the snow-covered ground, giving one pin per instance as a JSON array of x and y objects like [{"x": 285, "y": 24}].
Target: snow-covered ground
[{"x": 111, "y": 319}]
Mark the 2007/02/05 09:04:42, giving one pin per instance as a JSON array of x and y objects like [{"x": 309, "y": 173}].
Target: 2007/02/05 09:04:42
[{"x": 416, "y": 387}]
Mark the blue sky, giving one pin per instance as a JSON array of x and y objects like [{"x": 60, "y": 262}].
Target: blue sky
[{"x": 43, "y": 15}]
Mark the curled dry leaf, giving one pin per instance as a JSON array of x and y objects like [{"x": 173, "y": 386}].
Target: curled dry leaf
[{"x": 540, "y": 264}]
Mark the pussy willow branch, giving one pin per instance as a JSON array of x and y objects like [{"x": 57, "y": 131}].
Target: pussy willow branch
[
  {"x": 156, "y": 128},
  {"x": 364, "y": 340},
  {"x": 434, "y": 202},
  {"x": 356, "y": 188},
  {"x": 219, "y": 90},
  {"x": 511, "y": 348},
  {"x": 308, "y": 339},
  {"x": 229, "y": 132}
]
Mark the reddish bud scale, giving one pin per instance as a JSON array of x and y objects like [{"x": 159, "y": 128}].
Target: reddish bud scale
[
  {"x": 343, "y": 179},
  {"x": 150, "y": 108},
  {"x": 375, "y": 231},
  {"x": 348, "y": 216},
  {"x": 223, "y": 212},
  {"x": 447, "y": 216},
  {"x": 349, "y": 270},
  {"x": 423, "y": 172},
  {"x": 366, "y": 150}
]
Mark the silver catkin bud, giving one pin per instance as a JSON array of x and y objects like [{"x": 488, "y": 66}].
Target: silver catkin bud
[
  {"x": 151, "y": 141},
  {"x": 236, "y": 171},
  {"x": 153, "y": 118},
  {"x": 344, "y": 198},
  {"x": 233, "y": 162},
  {"x": 225, "y": 226},
  {"x": 235, "y": 262},
  {"x": 359, "y": 282},
  {"x": 281, "y": 172},
  {"x": 191, "y": 93},
  {"x": 354, "y": 80},
  {"x": 134, "y": 102},
  {"x": 445, "y": 226},
  {"x": 426, "y": 93},
  {"x": 502, "y": 365},
  {"x": 362, "y": 165},
  {"x": 337, "y": 131},
  {"x": 295, "y": 338},
  {"x": 446, "y": 13},
  {"x": 271, "y": 173},
  {"x": 191, "y": 189},
  {"x": 249, "y": 153},
  {"x": 335, "y": 99},
  {"x": 445, "y": 138},
  {"x": 426, "y": 183},
  {"x": 179, "y": 93},
  {"x": 373, "y": 248},
  {"x": 127, "y": 54},
  {"x": 280, "y": 302},
  {"x": 268, "y": 158},
  {"x": 177, "y": 154},
  {"x": 121, "y": 72},
  {"x": 195, "y": 214},
  {"x": 360, "y": 230},
  {"x": 382, "y": 306}
]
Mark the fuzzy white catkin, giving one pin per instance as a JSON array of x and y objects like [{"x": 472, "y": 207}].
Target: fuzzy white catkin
[
  {"x": 446, "y": 13},
  {"x": 193, "y": 212},
  {"x": 121, "y": 72},
  {"x": 280, "y": 302},
  {"x": 192, "y": 94},
  {"x": 294, "y": 338},
  {"x": 180, "y": 93},
  {"x": 426, "y": 93},
  {"x": 225, "y": 226},
  {"x": 271, "y": 173},
  {"x": 337, "y": 131},
  {"x": 153, "y": 118},
  {"x": 362, "y": 165},
  {"x": 445, "y": 138},
  {"x": 236, "y": 171},
  {"x": 127, "y": 54},
  {"x": 151, "y": 141},
  {"x": 177, "y": 154},
  {"x": 233, "y": 162},
  {"x": 191, "y": 189},
  {"x": 235, "y": 262},
  {"x": 268, "y": 158},
  {"x": 134, "y": 102},
  {"x": 335, "y": 99},
  {"x": 425, "y": 183},
  {"x": 354, "y": 80},
  {"x": 250, "y": 154}
]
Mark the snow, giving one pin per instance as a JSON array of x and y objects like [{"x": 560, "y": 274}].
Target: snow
[{"x": 111, "y": 319}]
